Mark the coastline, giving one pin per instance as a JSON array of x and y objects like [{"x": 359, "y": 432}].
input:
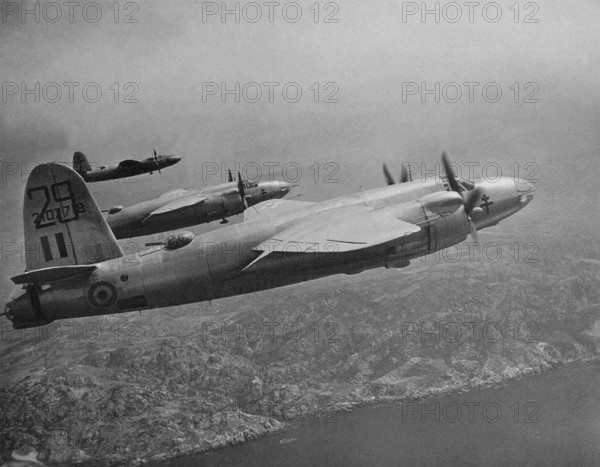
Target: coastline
[{"x": 347, "y": 407}]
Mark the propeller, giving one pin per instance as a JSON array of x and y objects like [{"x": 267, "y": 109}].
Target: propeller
[
  {"x": 470, "y": 198},
  {"x": 242, "y": 191},
  {"x": 230, "y": 177},
  {"x": 388, "y": 176},
  {"x": 156, "y": 162},
  {"x": 405, "y": 176}
]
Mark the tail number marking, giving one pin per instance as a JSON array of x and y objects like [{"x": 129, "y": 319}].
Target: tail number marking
[{"x": 61, "y": 193}]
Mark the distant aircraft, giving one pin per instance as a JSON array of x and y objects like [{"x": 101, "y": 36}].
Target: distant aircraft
[
  {"x": 125, "y": 168},
  {"x": 183, "y": 208},
  {"x": 76, "y": 268},
  {"x": 405, "y": 175}
]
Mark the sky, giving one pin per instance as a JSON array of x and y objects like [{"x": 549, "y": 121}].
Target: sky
[{"x": 367, "y": 65}]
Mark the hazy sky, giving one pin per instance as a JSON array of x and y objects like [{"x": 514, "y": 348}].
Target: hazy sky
[{"x": 368, "y": 54}]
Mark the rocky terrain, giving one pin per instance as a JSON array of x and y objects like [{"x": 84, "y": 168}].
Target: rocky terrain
[{"x": 128, "y": 388}]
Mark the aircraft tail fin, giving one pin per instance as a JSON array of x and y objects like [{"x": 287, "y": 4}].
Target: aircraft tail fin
[
  {"x": 80, "y": 163},
  {"x": 62, "y": 223}
]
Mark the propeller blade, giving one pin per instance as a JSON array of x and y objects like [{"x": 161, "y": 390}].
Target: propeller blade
[
  {"x": 156, "y": 161},
  {"x": 471, "y": 199},
  {"x": 230, "y": 176},
  {"x": 242, "y": 190},
  {"x": 388, "y": 176},
  {"x": 450, "y": 173},
  {"x": 473, "y": 232},
  {"x": 404, "y": 174}
]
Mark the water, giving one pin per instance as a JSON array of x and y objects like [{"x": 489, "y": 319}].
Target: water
[{"x": 549, "y": 419}]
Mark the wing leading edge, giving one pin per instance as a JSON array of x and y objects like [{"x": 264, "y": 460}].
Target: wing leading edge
[
  {"x": 177, "y": 205},
  {"x": 341, "y": 230}
]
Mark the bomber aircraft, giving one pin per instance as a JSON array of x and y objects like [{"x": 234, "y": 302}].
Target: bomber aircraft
[
  {"x": 125, "y": 168},
  {"x": 183, "y": 208},
  {"x": 75, "y": 267}
]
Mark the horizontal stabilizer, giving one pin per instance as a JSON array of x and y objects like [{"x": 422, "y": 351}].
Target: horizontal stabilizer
[{"x": 57, "y": 273}]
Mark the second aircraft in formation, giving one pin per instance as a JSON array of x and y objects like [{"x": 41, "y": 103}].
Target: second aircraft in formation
[{"x": 184, "y": 208}]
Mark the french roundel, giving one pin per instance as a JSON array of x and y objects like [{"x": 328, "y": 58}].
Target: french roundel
[{"x": 102, "y": 295}]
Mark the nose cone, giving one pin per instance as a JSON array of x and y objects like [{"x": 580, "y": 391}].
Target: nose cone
[
  {"x": 284, "y": 188},
  {"x": 524, "y": 192}
]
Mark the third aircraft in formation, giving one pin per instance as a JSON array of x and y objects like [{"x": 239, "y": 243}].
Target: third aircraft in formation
[{"x": 122, "y": 169}]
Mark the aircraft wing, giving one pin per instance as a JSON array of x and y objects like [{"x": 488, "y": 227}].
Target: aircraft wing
[
  {"x": 176, "y": 205},
  {"x": 174, "y": 193},
  {"x": 273, "y": 206},
  {"x": 129, "y": 163},
  {"x": 337, "y": 231}
]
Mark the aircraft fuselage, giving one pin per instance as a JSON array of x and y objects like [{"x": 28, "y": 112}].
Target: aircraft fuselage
[{"x": 221, "y": 201}]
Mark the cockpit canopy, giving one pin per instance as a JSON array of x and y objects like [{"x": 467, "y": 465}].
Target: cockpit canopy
[
  {"x": 463, "y": 183},
  {"x": 178, "y": 240}
]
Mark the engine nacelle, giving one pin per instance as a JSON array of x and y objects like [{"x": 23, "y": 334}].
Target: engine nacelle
[{"x": 447, "y": 221}]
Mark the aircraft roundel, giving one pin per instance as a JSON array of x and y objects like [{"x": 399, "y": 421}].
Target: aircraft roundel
[{"x": 102, "y": 295}]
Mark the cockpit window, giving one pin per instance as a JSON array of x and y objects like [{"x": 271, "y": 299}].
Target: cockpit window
[
  {"x": 249, "y": 184},
  {"x": 467, "y": 184},
  {"x": 464, "y": 184}
]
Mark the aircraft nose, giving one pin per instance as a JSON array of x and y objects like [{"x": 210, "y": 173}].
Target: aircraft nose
[
  {"x": 285, "y": 188},
  {"x": 524, "y": 191}
]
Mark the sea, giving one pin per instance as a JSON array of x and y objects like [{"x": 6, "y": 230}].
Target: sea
[{"x": 544, "y": 419}]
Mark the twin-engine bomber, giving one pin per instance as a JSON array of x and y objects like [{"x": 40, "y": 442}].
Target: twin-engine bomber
[
  {"x": 123, "y": 169},
  {"x": 184, "y": 208},
  {"x": 75, "y": 267}
]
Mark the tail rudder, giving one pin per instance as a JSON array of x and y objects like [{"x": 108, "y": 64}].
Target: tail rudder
[
  {"x": 80, "y": 163},
  {"x": 62, "y": 223}
]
